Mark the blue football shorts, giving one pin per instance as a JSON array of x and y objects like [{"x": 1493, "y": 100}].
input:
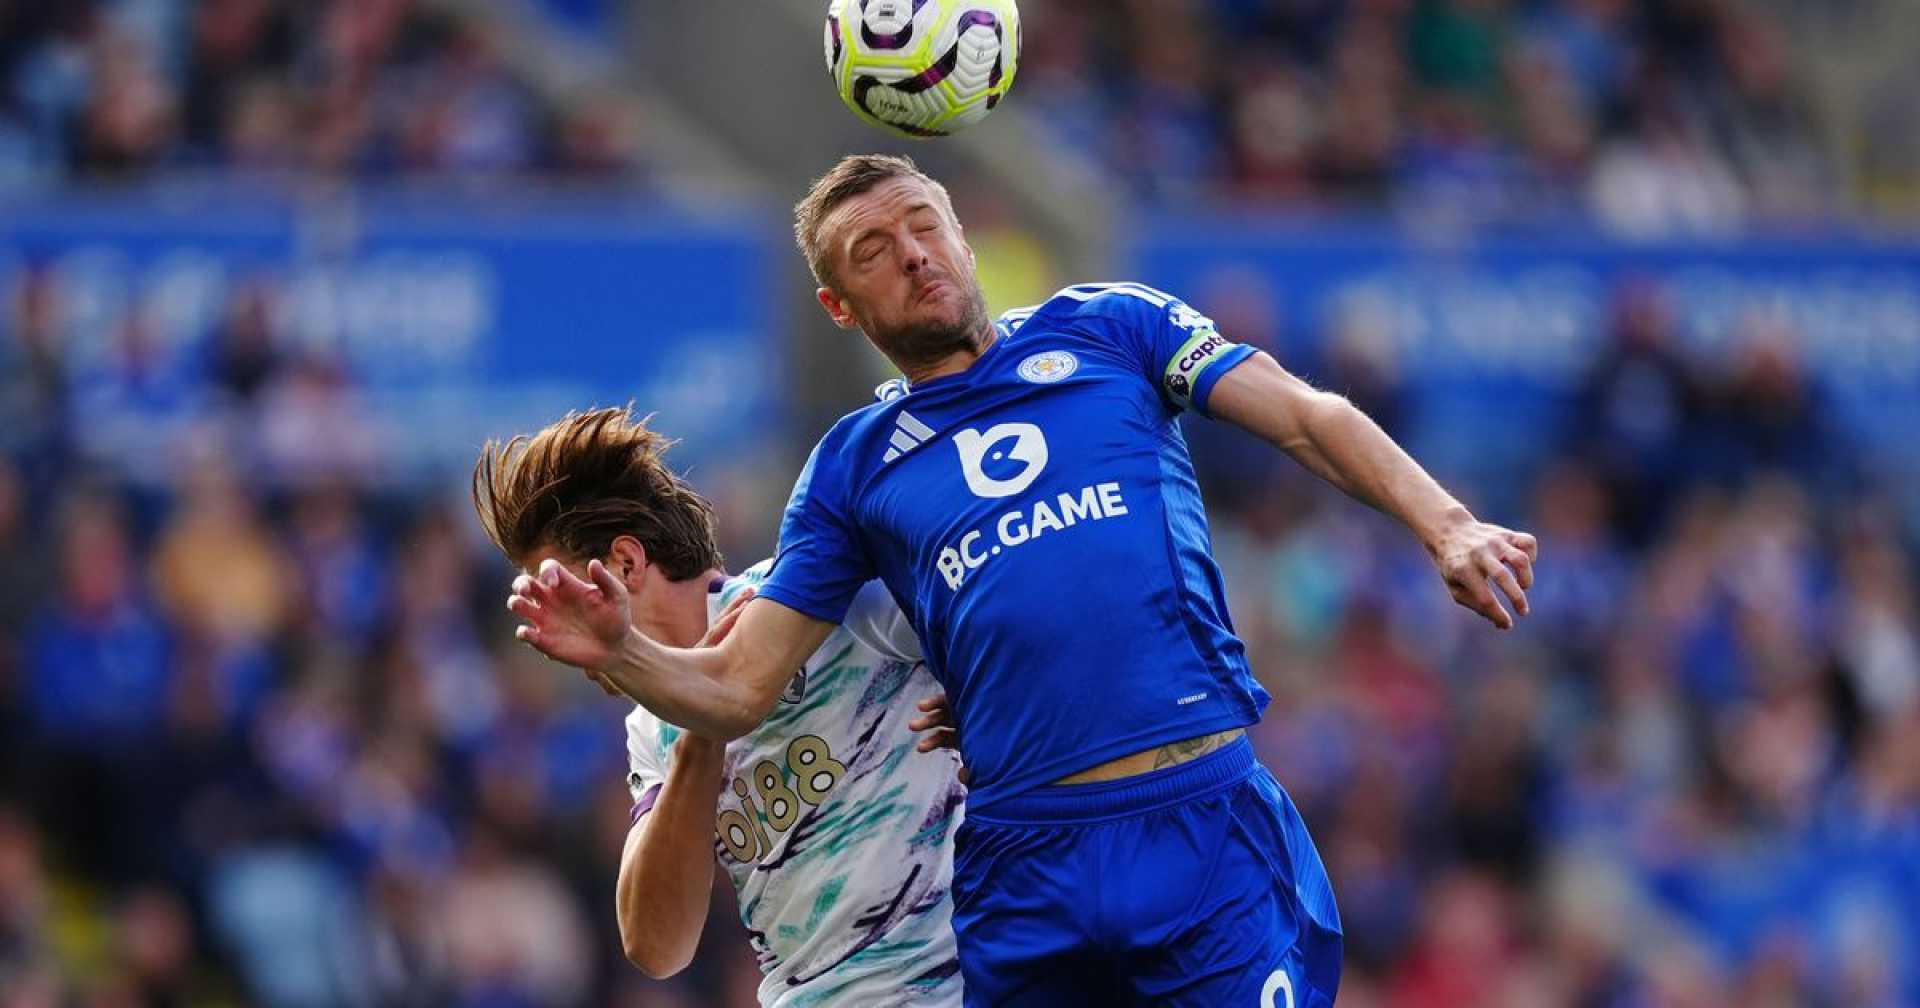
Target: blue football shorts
[{"x": 1191, "y": 886}]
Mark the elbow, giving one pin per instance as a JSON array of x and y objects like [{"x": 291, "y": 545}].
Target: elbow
[
  {"x": 741, "y": 720},
  {"x": 656, "y": 962},
  {"x": 742, "y": 712}
]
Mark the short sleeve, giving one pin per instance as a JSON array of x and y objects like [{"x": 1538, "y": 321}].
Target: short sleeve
[
  {"x": 1179, "y": 350},
  {"x": 876, "y": 621},
  {"x": 820, "y": 565},
  {"x": 647, "y": 747}
]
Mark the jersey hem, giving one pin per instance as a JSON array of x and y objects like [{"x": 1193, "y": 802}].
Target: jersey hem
[
  {"x": 1127, "y": 797},
  {"x": 983, "y": 801}
]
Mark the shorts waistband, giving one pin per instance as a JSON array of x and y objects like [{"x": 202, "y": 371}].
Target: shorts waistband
[{"x": 1079, "y": 803}]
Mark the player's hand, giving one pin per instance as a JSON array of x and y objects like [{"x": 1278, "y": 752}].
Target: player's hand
[
  {"x": 938, "y": 730},
  {"x": 1474, "y": 557},
  {"x": 579, "y": 623}
]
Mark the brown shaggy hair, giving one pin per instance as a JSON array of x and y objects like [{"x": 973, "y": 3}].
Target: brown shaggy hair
[
  {"x": 583, "y": 482},
  {"x": 855, "y": 174}
]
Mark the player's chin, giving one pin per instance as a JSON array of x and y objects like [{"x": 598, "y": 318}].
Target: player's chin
[{"x": 941, "y": 309}]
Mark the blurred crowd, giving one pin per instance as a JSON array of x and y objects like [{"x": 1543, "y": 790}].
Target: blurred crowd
[
  {"x": 1658, "y": 115},
  {"x": 1690, "y": 777},
  {"x": 113, "y": 91},
  {"x": 265, "y": 737}
]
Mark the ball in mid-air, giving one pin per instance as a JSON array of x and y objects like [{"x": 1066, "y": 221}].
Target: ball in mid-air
[{"x": 922, "y": 68}]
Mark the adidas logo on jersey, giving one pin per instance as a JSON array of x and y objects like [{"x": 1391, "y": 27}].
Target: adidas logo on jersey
[{"x": 908, "y": 433}]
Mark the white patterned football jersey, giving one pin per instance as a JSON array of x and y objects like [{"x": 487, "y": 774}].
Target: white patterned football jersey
[{"x": 836, "y": 833}]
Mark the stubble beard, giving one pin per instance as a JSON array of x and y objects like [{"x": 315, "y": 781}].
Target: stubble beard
[{"x": 928, "y": 341}]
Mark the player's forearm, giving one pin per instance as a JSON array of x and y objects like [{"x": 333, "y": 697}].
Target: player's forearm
[
  {"x": 704, "y": 690},
  {"x": 666, "y": 870},
  {"x": 1345, "y": 447},
  {"x": 720, "y": 692}
]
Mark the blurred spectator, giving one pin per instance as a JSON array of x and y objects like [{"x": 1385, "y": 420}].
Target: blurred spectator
[
  {"x": 1580, "y": 608},
  {"x": 597, "y": 140},
  {"x": 28, "y": 974},
  {"x": 1665, "y": 182},
  {"x": 25, "y": 564},
  {"x": 141, "y": 401},
  {"x": 1165, "y": 126},
  {"x": 245, "y": 355},
  {"x": 1273, "y": 135},
  {"x": 1765, "y": 413},
  {"x": 470, "y": 117},
  {"x": 99, "y": 653},
  {"x": 316, "y": 394},
  {"x": 1590, "y": 38},
  {"x": 1456, "y": 46},
  {"x": 222, "y": 579},
  {"x": 513, "y": 936},
  {"x": 1636, "y": 410},
  {"x": 1498, "y": 780},
  {"x": 343, "y": 580},
  {"x": 129, "y": 124},
  {"x": 288, "y": 921},
  {"x": 99, "y": 670},
  {"x": 35, "y": 426},
  {"x": 154, "y": 940},
  {"x": 1879, "y": 624}
]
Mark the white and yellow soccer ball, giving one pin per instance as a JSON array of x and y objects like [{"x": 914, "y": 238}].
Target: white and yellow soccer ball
[{"x": 922, "y": 68}]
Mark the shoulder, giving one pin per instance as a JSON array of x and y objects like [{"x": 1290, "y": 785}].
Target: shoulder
[
  {"x": 752, "y": 577},
  {"x": 643, "y": 728},
  {"x": 873, "y": 420},
  {"x": 1121, "y": 302},
  {"x": 825, "y": 474}
]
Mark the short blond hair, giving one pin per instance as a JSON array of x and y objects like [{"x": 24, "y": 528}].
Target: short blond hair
[
  {"x": 583, "y": 482},
  {"x": 855, "y": 174}
]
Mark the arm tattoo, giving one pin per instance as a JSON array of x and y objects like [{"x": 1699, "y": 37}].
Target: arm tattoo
[{"x": 1187, "y": 750}]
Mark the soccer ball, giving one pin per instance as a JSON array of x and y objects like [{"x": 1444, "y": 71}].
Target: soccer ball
[{"x": 922, "y": 68}]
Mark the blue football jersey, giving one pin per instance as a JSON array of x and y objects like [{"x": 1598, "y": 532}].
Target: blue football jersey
[{"x": 1037, "y": 519}]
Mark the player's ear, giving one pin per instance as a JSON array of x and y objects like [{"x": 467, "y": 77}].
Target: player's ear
[
  {"x": 627, "y": 559},
  {"x": 836, "y": 307}
]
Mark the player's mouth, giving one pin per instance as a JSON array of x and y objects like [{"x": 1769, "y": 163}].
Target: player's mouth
[{"x": 931, "y": 289}]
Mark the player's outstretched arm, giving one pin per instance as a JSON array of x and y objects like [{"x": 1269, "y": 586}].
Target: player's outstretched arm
[
  {"x": 1341, "y": 445},
  {"x": 720, "y": 692},
  {"x": 666, "y": 867}
]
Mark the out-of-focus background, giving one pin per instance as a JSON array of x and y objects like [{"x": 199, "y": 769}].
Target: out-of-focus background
[{"x": 1641, "y": 276}]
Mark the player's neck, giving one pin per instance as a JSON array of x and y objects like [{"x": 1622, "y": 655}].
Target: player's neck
[
  {"x": 953, "y": 363},
  {"x": 675, "y": 612}
]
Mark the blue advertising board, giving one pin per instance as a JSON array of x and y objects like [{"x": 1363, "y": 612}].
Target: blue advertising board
[
  {"x": 453, "y": 321},
  {"x": 1491, "y": 333}
]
